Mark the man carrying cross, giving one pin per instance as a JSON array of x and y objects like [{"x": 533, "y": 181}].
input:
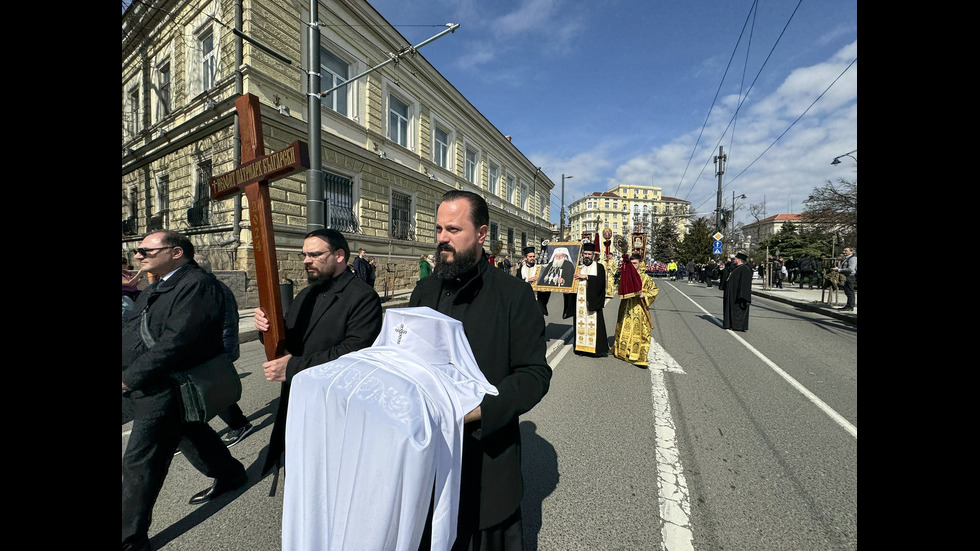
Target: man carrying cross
[
  {"x": 585, "y": 305},
  {"x": 336, "y": 314}
]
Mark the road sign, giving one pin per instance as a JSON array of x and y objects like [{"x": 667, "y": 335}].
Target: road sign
[
  {"x": 716, "y": 248},
  {"x": 717, "y": 236}
]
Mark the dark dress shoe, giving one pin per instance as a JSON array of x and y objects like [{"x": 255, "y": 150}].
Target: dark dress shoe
[
  {"x": 219, "y": 487},
  {"x": 141, "y": 545}
]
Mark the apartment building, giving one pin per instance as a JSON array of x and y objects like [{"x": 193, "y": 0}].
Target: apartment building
[
  {"x": 625, "y": 209},
  {"x": 392, "y": 139}
]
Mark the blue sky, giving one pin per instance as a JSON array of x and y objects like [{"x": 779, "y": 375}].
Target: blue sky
[{"x": 645, "y": 91}]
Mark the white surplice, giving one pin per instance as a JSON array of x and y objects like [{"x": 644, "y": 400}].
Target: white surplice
[{"x": 370, "y": 434}]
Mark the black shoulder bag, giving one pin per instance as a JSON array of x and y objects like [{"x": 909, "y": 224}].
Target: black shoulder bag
[{"x": 205, "y": 389}]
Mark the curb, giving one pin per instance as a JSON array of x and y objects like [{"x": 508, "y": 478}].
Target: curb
[{"x": 818, "y": 308}]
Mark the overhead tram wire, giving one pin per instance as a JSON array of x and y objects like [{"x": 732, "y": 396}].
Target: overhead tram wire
[
  {"x": 744, "y": 98},
  {"x": 713, "y": 102},
  {"x": 849, "y": 65}
]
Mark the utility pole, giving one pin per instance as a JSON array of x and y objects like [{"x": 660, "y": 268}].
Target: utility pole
[
  {"x": 314, "y": 181},
  {"x": 561, "y": 224},
  {"x": 720, "y": 159},
  {"x": 315, "y": 215}
]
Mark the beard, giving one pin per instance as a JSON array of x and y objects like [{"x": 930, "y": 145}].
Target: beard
[
  {"x": 587, "y": 261},
  {"x": 462, "y": 261},
  {"x": 529, "y": 263},
  {"x": 316, "y": 277}
]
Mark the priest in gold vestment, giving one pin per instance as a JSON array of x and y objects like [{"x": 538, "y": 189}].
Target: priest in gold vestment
[
  {"x": 633, "y": 324},
  {"x": 585, "y": 305}
]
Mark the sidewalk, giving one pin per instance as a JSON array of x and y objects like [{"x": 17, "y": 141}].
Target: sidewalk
[{"x": 813, "y": 300}]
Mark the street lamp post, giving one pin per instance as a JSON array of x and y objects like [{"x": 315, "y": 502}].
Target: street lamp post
[
  {"x": 836, "y": 160},
  {"x": 561, "y": 227},
  {"x": 742, "y": 196}
]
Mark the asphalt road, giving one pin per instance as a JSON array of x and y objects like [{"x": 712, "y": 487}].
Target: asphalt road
[{"x": 728, "y": 441}]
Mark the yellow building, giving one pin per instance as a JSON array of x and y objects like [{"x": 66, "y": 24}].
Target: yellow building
[
  {"x": 625, "y": 209},
  {"x": 392, "y": 140}
]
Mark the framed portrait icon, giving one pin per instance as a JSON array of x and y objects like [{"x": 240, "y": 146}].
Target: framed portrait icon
[{"x": 558, "y": 267}]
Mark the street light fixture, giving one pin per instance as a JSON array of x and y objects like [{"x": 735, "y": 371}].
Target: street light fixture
[
  {"x": 742, "y": 196},
  {"x": 836, "y": 160}
]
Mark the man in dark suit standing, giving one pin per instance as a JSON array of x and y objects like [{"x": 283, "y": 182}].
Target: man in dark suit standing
[
  {"x": 336, "y": 314},
  {"x": 184, "y": 315},
  {"x": 509, "y": 346}
]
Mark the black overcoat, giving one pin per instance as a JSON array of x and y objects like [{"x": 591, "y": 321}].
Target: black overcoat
[
  {"x": 506, "y": 334},
  {"x": 343, "y": 315},
  {"x": 737, "y": 298}
]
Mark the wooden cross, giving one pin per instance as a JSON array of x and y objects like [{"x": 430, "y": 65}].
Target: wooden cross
[{"x": 253, "y": 175}]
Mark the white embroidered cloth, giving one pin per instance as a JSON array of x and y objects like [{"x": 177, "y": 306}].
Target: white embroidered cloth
[{"x": 371, "y": 433}]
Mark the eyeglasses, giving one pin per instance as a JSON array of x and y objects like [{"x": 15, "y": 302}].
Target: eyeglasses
[
  {"x": 314, "y": 256},
  {"x": 143, "y": 250}
]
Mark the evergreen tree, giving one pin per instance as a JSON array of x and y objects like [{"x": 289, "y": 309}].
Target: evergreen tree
[
  {"x": 665, "y": 241},
  {"x": 697, "y": 243}
]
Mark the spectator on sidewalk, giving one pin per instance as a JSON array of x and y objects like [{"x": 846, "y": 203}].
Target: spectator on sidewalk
[
  {"x": 808, "y": 269},
  {"x": 848, "y": 268},
  {"x": 361, "y": 266},
  {"x": 424, "y": 268},
  {"x": 792, "y": 269}
]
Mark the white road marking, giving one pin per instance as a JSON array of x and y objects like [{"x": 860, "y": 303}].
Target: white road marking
[
  {"x": 675, "y": 503},
  {"x": 838, "y": 418},
  {"x": 565, "y": 346}
]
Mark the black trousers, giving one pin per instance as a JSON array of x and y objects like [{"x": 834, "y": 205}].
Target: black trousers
[
  {"x": 157, "y": 431},
  {"x": 849, "y": 291},
  {"x": 233, "y": 417}
]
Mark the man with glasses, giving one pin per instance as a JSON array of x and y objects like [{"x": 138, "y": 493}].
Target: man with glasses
[
  {"x": 184, "y": 314},
  {"x": 336, "y": 314}
]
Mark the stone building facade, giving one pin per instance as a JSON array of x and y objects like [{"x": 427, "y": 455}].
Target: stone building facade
[
  {"x": 392, "y": 140},
  {"x": 626, "y": 208}
]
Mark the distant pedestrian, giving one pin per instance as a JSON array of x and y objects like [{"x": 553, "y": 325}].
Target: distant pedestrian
[
  {"x": 848, "y": 268},
  {"x": 793, "y": 269},
  {"x": 424, "y": 268},
  {"x": 361, "y": 267},
  {"x": 808, "y": 269}
]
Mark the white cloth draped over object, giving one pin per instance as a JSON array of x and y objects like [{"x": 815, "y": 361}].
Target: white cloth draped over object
[{"x": 370, "y": 434}]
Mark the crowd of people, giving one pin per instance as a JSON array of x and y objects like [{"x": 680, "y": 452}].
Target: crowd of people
[{"x": 193, "y": 316}]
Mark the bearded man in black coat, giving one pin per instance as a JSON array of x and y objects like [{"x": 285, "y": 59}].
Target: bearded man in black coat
[
  {"x": 336, "y": 314},
  {"x": 508, "y": 342}
]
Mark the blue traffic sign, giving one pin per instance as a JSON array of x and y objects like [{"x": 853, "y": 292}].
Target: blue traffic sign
[{"x": 716, "y": 248}]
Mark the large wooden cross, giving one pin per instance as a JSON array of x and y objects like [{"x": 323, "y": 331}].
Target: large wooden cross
[{"x": 253, "y": 175}]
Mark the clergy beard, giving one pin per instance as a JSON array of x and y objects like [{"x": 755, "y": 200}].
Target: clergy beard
[
  {"x": 587, "y": 261},
  {"x": 529, "y": 263},
  {"x": 461, "y": 262},
  {"x": 318, "y": 278}
]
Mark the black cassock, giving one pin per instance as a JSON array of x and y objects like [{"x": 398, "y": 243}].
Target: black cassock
[
  {"x": 737, "y": 298},
  {"x": 595, "y": 299}
]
